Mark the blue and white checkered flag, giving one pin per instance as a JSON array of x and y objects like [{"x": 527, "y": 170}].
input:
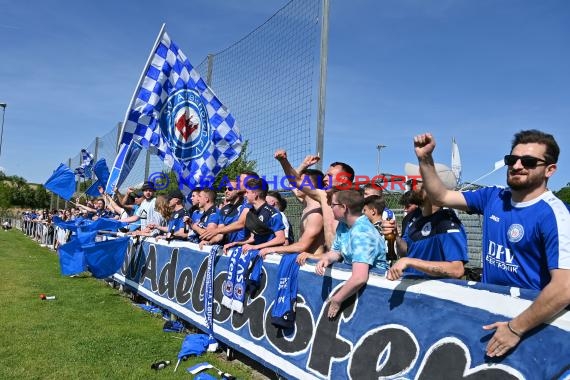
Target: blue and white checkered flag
[
  {"x": 179, "y": 118},
  {"x": 85, "y": 170}
]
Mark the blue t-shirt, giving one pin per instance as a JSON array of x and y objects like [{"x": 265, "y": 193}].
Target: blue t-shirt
[
  {"x": 196, "y": 215},
  {"x": 209, "y": 216},
  {"x": 522, "y": 241},
  {"x": 176, "y": 221},
  {"x": 360, "y": 243},
  {"x": 228, "y": 214},
  {"x": 437, "y": 237},
  {"x": 271, "y": 218}
]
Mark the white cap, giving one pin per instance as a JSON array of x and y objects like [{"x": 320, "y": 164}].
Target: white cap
[{"x": 444, "y": 172}]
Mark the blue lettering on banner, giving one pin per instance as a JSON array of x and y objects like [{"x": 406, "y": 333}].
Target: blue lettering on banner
[{"x": 408, "y": 331}]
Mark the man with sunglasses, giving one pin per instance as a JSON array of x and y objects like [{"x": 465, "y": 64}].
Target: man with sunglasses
[{"x": 525, "y": 230}]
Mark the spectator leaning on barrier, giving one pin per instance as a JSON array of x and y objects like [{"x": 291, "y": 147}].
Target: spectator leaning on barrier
[
  {"x": 435, "y": 242},
  {"x": 263, "y": 221},
  {"x": 339, "y": 173},
  {"x": 525, "y": 230},
  {"x": 373, "y": 207},
  {"x": 240, "y": 223},
  {"x": 275, "y": 200},
  {"x": 230, "y": 213},
  {"x": 175, "y": 224},
  {"x": 357, "y": 243},
  {"x": 210, "y": 217},
  {"x": 312, "y": 239}
]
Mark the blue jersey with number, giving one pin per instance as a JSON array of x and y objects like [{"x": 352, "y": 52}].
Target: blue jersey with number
[{"x": 522, "y": 241}]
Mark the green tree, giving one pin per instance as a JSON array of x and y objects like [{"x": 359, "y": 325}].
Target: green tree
[
  {"x": 5, "y": 196},
  {"x": 564, "y": 193},
  {"x": 41, "y": 197},
  {"x": 241, "y": 164}
]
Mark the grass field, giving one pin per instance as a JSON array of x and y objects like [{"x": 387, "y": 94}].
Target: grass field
[{"x": 90, "y": 331}]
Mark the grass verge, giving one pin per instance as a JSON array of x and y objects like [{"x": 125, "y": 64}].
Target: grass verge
[{"x": 90, "y": 331}]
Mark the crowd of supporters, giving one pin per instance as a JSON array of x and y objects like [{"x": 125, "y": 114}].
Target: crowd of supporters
[{"x": 354, "y": 226}]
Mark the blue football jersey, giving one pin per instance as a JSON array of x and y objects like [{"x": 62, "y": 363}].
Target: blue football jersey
[{"x": 522, "y": 241}]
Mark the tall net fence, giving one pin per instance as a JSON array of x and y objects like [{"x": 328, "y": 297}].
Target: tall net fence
[{"x": 268, "y": 80}]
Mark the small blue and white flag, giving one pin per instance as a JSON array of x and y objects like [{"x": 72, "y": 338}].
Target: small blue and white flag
[
  {"x": 86, "y": 168},
  {"x": 176, "y": 116}
]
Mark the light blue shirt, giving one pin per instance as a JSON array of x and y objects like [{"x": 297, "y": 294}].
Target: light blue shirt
[{"x": 360, "y": 243}]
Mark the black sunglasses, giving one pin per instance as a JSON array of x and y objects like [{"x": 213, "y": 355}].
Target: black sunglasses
[{"x": 528, "y": 162}]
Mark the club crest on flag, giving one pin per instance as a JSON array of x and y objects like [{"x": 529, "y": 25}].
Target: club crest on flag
[
  {"x": 176, "y": 116},
  {"x": 184, "y": 119}
]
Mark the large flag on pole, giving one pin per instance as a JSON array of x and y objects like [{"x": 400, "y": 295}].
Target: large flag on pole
[
  {"x": 85, "y": 169},
  {"x": 176, "y": 116}
]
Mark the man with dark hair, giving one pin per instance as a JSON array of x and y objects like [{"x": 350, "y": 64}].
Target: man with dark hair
[
  {"x": 146, "y": 210},
  {"x": 230, "y": 213},
  {"x": 263, "y": 221},
  {"x": 210, "y": 216},
  {"x": 239, "y": 224},
  {"x": 275, "y": 200},
  {"x": 341, "y": 175},
  {"x": 525, "y": 230},
  {"x": 356, "y": 242},
  {"x": 410, "y": 200}
]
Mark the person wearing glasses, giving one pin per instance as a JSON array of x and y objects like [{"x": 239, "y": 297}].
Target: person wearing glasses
[
  {"x": 526, "y": 239},
  {"x": 356, "y": 242}
]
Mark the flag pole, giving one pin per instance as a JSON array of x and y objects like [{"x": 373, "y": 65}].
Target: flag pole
[
  {"x": 483, "y": 176},
  {"x": 139, "y": 83},
  {"x": 125, "y": 149}
]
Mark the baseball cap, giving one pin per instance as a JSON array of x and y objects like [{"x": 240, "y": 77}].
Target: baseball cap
[
  {"x": 148, "y": 186},
  {"x": 444, "y": 172},
  {"x": 176, "y": 194}
]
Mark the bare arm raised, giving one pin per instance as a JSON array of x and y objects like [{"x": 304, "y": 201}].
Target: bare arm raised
[{"x": 439, "y": 195}]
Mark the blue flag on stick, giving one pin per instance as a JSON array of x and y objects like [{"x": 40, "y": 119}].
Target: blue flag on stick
[
  {"x": 101, "y": 171},
  {"x": 178, "y": 117},
  {"x": 104, "y": 258},
  {"x": 85, "y": 169},
  {"x": 62, "y": 182},
  {"x": 93, "y": 190},
  {"x": 71, "y": 258}
]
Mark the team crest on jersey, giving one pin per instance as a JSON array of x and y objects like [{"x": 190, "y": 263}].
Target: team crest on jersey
[
  {"x": 184, "y": 120},
  {"x": 260, "y": 217},
  {"x": 515, "y": 233},
  {"x": 426, "y": 229}
]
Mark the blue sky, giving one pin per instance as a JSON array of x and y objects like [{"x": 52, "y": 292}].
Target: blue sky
[{"x": 478, "y": 71}]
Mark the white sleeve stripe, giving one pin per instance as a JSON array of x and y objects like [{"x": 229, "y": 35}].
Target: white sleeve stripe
[{"x": 562, "y": 216}]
